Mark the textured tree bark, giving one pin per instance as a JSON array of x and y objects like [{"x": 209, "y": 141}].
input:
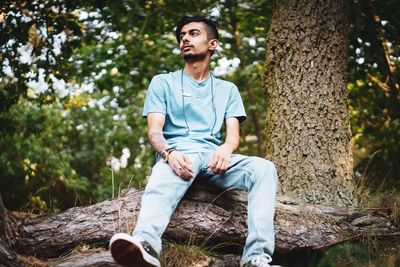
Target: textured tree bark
[
  {"x": 102, "y": 257},
  {"x": 203, "y": 217},
  {"x": 307, "y": 130},
  {"x": 97, "y": 257},
  {"x": 8, "y": 257},
  {"x": 7, "y": 240}
]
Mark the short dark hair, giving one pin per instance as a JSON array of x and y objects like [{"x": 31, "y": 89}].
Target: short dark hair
[{"x": 211, "y": 27}]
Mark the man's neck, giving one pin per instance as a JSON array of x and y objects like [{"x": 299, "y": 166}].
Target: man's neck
[{"x": 198, "y": 70}]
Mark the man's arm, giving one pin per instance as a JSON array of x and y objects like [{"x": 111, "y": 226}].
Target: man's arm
[
  {"x": 220, "y": 161},
  {"x": 155, "y": 124},
  {"x": 178, "y": 162}
]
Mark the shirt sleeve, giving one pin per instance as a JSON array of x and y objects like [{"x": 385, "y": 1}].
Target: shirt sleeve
[
  {"x": 155, "y": 98},
  {"x": 235, "y": 106}
]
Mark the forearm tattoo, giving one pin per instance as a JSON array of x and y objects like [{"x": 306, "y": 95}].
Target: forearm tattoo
[{"x": 158, "y": 141}]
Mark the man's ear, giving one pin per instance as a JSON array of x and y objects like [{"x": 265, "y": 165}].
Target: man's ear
[{"x": 213, "y": 44}]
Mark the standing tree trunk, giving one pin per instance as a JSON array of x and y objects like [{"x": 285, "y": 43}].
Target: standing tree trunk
[{"x": 308, "y": 130}]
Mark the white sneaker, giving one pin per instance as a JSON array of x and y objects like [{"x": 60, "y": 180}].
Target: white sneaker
[
  {"x": 131, "y": 251},
  {"x": 261, "y": 261}
]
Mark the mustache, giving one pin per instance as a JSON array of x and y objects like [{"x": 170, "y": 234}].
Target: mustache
[{"x": 187, "y": 45}]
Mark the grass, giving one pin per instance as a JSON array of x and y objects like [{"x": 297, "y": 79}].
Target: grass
[
  {"x": 388, "y": 201},
  {"x": 184, "y": 255},
  {"x": 365, "y": 253}
]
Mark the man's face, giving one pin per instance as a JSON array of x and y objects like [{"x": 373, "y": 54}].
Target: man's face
[{"x": 194, "y": 43}]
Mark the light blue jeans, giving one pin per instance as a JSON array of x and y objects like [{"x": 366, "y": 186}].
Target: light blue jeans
[{"x": 255, "y": 175}]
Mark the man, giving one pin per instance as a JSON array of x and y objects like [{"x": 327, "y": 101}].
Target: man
[{"x": 185, "y": 112}]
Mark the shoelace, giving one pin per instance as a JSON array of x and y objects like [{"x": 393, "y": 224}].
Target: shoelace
[{"x": 263, "y": 261}]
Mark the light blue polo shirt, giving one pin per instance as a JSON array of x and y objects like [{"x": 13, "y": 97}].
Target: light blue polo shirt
[{"x": 201, "y": 131}]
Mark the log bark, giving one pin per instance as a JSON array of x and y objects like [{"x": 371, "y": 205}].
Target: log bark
[
  {"x": 96, "y": 257},
  {"x": 102, "y": 257},
  {"x": 7, "y": 256},
  {"x": 205, "y": 216},
  {"x": 87, "y": 258}
]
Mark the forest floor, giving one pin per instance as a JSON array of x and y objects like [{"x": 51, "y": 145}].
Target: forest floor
[{"x": 364, "y": 253}]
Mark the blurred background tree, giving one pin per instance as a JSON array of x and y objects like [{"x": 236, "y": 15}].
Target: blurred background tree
[
  {"x": 374, "y": 94},
  {"x": 74, "y": 76}
]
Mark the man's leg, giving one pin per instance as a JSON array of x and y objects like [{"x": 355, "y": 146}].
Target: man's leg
[
  {"x": 259, "y": 177},
  {"x": 162, "y": 194}
]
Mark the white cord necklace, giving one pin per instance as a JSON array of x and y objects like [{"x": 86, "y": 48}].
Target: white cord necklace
[{"x": 212, "y": 101}]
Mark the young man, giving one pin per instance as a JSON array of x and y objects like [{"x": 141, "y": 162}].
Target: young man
[{"x": 185, "y": 112}]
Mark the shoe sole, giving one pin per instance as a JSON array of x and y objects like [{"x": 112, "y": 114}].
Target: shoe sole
[{"x": 129, "y": 252}]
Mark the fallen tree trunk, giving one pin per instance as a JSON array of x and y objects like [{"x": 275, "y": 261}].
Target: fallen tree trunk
[
  {"x": 205, "y": 216},
  {"x": 102, "y": 257}
]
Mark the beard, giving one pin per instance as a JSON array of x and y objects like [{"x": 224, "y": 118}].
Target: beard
[{"x": 195, "y": 57}]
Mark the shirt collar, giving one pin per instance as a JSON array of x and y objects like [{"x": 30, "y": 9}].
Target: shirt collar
[{"x": 193, "y": 81}]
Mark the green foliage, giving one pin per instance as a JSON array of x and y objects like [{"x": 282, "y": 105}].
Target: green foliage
[
  {"x": 369, "y": 252},
  {"x": 29, "y": 32},
  {"x": 374, "y": 93},
  {"x": 36, "y": 160},
  {"x": 72, "y": 134},
  {"x": 74, "y": 77}
]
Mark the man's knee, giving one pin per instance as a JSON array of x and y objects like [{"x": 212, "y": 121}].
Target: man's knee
[
  {"x": 264, "y": 169},
  {"x": 263, "y": 163}
]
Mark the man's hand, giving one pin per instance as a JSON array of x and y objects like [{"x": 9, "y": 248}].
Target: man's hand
[
  {"x": 180, "y": 164},
  {"x": 219, "y": 162}
]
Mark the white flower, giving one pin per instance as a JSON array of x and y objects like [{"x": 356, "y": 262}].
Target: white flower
[
  {"x": 114, "y": 71},
  {"x": 80, "y": 127},
  {"x": 225, "y": 34},
  {"x": 126, "y": 151},
  {"x": 133, "y": 72},
  {"x": 252, "y": 42},
  {"x": 176, "y": 51},
  {"x": 215, "y": 12},
  {"x": 116, "y": 89},
  {"x": 82, "y": 15},
  {"x": 30, "y": 93},
  {"x": 360, "y": 60},
  {"x": 7, "y": 68},
  {"x": 94, "y": 14},
  {"x": 39, "y": 86},
  {"x": 226, "y": 66},
  {"x": 113, "y": 35},
  {"x": 115, "y": 164},
  {"x": 121, "y": 163},
  {"x": 87, "y": 87},
  {"x": 25, "y": 52},
  {"x": 92, "y": 103},
  {"x": 114, "y": 103},
  {"x": 58, "y": 40}
]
